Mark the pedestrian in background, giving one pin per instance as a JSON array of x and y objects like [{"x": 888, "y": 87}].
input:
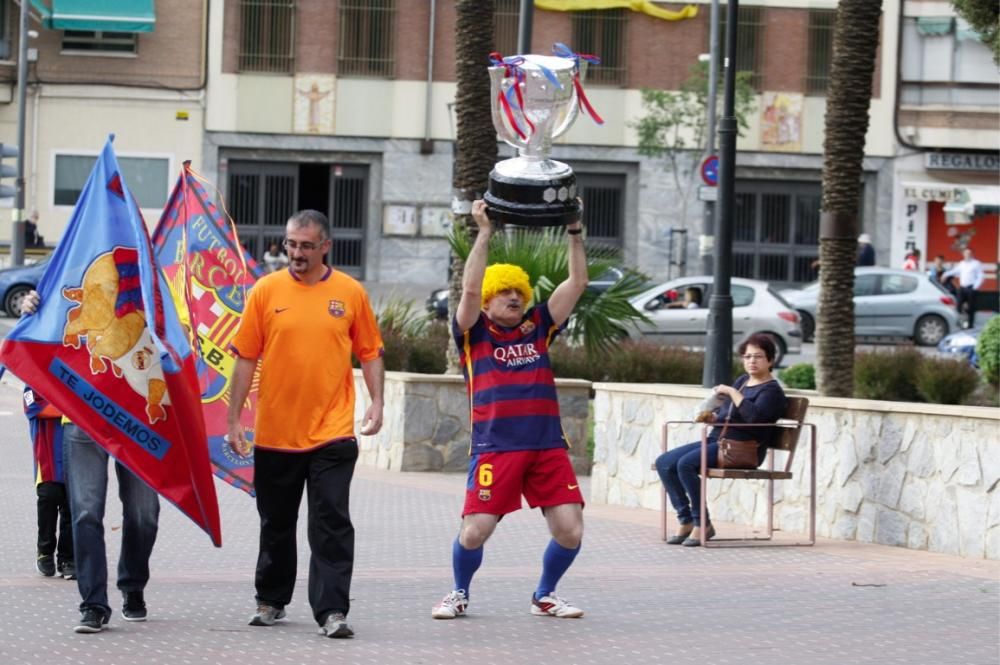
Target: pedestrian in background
[
  {"x": 970, "y": 277},
  {"x": 274, "y": 258},
  {"x": 304, "y": 324},
  {"x": 55, "y": 525},
  {"x": 866, "y": 253}
]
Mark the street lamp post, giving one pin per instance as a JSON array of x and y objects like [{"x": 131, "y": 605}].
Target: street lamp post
[
  {"x": 719, "y": 346},
  {"x": 524, "y": 25},
  {"x": 17, "y": 230},
  {"x": 708, "y": 222}
]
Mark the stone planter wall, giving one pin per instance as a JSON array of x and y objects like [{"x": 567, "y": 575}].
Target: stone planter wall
[
  {"x": 921, "y": 476},
  {"x": 426, "y": 423}
]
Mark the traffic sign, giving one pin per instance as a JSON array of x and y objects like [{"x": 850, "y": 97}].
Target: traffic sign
[{"x": 710, "y": 170}]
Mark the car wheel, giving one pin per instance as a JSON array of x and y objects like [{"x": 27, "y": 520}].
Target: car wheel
[
  {"x": 807, "y": 324},
  {"x": 930, "y": 330},
  {"x": 12, "y": 301}
]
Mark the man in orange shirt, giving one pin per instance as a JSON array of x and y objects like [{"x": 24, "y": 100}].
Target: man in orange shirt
[{"x": 304, "y": 323}]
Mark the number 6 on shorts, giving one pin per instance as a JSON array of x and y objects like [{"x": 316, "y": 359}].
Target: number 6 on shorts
[{"x": 485, "y": 475}]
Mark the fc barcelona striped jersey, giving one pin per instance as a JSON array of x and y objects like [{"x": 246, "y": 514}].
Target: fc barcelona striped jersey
[
  {"x": 511, "y": 388},
  {"x": 46, "y": 437}
]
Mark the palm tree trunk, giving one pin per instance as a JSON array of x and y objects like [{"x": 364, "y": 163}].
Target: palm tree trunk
[
  {"x": 855, "y": 44},
  {"x": 476, "y": 139}
]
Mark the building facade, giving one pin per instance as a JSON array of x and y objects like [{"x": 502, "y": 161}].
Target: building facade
[
  {"x": 946, "y": 193},
  {"x": 347, "y": 106},
  {"x": 120, "y": 68},
  {"x": 330, "y": 106}
]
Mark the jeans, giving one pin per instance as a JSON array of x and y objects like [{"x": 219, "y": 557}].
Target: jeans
[
  {"x": 679, "y": 469},
  {"x": 86, "y": 466},
  {"x": 279, "y": 479},
  {"x": 54, "y": 517}
]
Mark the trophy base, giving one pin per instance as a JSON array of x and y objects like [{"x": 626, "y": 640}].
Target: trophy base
[{"x": 532, "y": 193}]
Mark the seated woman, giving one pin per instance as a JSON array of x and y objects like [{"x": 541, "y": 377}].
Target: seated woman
[
  {"x": 692, "y": 299},
  {"x": 755, "y": 397}
]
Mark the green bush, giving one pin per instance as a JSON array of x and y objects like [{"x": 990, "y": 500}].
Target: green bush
[
  {"x": 631, "y": 362},
  {"x": 428, "y": 352},
  {"x": 887, "y": 375},
  {"x": 801, "y": 376},
  {"x": 988, "y": 350},
  {"x": 946, "y": 380}
]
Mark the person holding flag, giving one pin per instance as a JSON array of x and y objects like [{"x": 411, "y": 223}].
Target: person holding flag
[
  {"x": 199, "y": 253},
  {"x": 104, "y": 344},
  {"x": 304, "y": 323}
]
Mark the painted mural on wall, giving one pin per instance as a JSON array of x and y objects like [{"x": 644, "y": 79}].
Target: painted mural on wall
[
  {"x": 313, "y": 108},
  {"x": 781, "y": 122}
]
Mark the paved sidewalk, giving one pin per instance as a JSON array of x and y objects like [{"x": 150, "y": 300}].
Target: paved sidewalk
[{"x": 835, "y": 603}]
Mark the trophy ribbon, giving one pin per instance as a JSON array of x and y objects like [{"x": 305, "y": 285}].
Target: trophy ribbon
[{"x": 561, "y": 50}]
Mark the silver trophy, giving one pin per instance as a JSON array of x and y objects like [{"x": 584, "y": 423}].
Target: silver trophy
[{"x": 534, "y": 100}]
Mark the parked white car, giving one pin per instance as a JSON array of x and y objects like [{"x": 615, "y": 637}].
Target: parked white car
[{"x": 678, "y": 314}]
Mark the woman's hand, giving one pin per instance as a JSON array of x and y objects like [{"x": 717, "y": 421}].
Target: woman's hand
[{"x": 728, "y": 391}]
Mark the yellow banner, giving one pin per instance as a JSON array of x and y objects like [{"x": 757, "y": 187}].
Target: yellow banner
[{"x": 643, "y": 6}]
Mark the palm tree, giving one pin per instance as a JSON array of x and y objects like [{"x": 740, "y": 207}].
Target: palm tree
[
  {"x": 476, "y": 139},
  {"x": 600, "y": 319},
  {"x": 855, "y": 43}
]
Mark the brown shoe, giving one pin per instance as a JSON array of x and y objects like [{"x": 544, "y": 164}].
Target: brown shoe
[{"x": 681, "y": 535}]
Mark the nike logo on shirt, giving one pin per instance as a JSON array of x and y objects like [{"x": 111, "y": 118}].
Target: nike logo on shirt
[{"x": 279, "y": 310}]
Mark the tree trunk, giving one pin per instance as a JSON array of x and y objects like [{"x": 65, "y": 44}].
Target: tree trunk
[
  {"x": 855, "y": 44},
  {"x": 476, "y": 139}
]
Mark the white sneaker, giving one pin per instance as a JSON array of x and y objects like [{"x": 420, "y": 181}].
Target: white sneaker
[
  {"x": 554, "y": 606},
  {"x": 451, "y": 606}
]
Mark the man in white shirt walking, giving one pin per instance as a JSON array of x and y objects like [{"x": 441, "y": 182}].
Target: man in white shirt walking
[{"x": 970, "y": 278}]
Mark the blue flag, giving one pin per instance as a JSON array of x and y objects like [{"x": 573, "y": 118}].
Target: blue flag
[{"x": 107, "y": 349}]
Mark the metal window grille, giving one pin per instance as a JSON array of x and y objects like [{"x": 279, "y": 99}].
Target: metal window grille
[
  {"x": 348, "y": 213},
  {"x": 505, "y": 26},
  {"x": 602, "y": 33},
  {"x": 744, "y": 214},
  {"x": 97, "y": 40},
  {"x": 5, "y": 32},
  {"x": 749, "y": 38},
  {"x": 604, "y": 202},
  {"x": 267, "y": 36},
  {"x": 776, "y": 231},
  {"x": 821, "y": 23},
  {"x": 367, "y": 38},
  {"x": 261, "y": 197}
]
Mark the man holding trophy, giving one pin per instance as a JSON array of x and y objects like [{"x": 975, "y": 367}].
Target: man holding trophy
[{"x": 518, "y": 446}]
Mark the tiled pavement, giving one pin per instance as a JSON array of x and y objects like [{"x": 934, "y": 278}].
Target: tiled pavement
[{"x": 646, "y": 602}]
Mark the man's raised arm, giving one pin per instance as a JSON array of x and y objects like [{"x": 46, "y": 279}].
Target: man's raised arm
[{"x": 471, "y": 303}]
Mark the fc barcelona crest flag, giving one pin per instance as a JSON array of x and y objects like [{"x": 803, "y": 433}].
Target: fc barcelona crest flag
[
  {"x": 107, "y": 348},
  {"x": 209, "y": 275}
]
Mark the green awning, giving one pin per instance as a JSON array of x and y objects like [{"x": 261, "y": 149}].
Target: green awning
[
  {"x": 935, "y": 26},
  {"x": 97, "y": 15}
]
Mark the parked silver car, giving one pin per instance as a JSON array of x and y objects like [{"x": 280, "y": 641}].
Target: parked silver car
[
  {"x": 678, "y": 314},
  {"x": 888, "y": 303}
]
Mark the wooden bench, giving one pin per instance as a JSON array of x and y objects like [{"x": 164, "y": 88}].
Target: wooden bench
[{"x": 791, "y": 425}]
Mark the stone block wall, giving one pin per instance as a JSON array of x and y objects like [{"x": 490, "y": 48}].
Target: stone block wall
[
  {"x": 921, "y": 476},
  {"x": 426, "y": 423}
]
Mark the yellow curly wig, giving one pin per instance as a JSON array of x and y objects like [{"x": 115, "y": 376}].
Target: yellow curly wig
[{"x": 502, "y": 276}]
